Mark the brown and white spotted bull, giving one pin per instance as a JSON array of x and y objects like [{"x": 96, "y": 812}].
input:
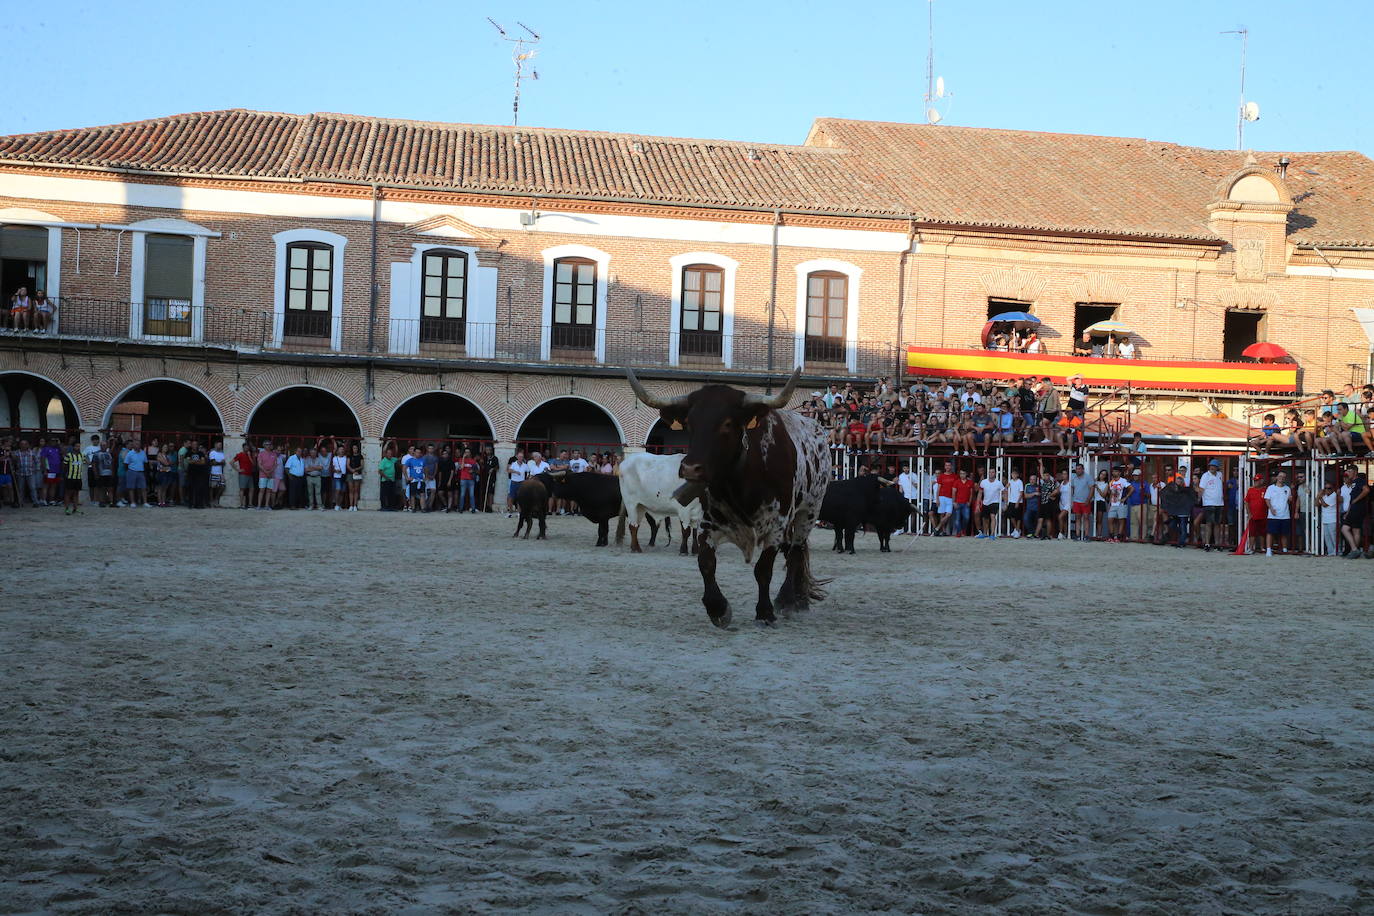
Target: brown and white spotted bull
[{"x": 760, "y": 472}]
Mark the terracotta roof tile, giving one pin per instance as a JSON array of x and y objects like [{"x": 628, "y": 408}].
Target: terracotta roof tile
[{"x": 964, "y": 176}]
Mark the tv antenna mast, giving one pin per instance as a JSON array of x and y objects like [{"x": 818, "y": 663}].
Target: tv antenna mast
[
  {"x": 523, "y": 55},
  {"x": 935, "y": 85},
  {"x": 1248, "y": 111}
]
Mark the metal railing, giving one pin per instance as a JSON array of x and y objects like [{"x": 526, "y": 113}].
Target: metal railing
[{"x": 260, "y": 328}]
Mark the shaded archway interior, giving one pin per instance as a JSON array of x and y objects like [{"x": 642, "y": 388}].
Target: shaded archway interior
[
  {"x": 28, "y": 402},
  {"x": 568, "y": 423},
  {"x": 665, "y": 440},
  {"x": 437, "y": 416},
  {"x": 165, "y": 406},
  {"x": 303, "y": 412}
]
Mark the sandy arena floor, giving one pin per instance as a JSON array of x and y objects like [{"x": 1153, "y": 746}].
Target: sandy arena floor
[{"x": 289, "y": 712}]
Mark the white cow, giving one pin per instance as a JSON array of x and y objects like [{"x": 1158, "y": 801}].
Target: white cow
[{"x": 647, "y": 484}]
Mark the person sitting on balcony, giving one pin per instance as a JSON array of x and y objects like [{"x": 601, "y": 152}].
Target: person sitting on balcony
[
  {"x": 1268, "y": 431},
  {"x": 877, "y": 433},
  {"x": 983, "y": 430},
  {"x": 44, "y": 310},
  {"x": 1083, "y": 346},
  {"x": 1048, "y": 406},
  {"x": 1351, "y": 437},
  {"x": 21, "y": 307},
  {"x": 1078, "y": 395},
  {"x": 1070, "y": 432},
  {"x": 1033, "y": 343},
  {"x": 999, "y": 339},
  {"x": 856, "y": 435},
  {"x": 1125, "y": 349}
]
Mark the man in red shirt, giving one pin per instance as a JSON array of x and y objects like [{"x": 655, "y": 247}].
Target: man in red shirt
[
  {"x": 963, "y": 502},
  {"x": 945, "y": 498},
  {"x": 1259, "y": 516},
  {"x": 243, "y": 463}
]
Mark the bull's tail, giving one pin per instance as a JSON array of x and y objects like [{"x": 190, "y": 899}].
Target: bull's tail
[
  {"x": 807, "y": 584},
  {"x": 620, "y": 525}
]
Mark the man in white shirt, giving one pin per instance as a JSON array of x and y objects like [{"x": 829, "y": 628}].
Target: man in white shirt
[
  {"x": 1277, "y": 496},
  {"x": 216, "y": 457},
  {"x": 1118, "y": 509},
  {"x": 909, "y": 483},
  {"x": 578, "y": 464},
  {"x": 536, "y": 465},
  {"x": 1211, "y": 489},
  {"x": 994, "y": 493},
  {"x": 1016, "y": 501}
]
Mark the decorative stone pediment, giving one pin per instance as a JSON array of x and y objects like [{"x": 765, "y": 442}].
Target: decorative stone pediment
[
  {"x": 446, "y": 226},
  {"x": 1098, "y": 286},
  {"x": 1013, "y": 283},
  {"x": 1247, "y": 296},
  {"x": 1252, "y": 188}
]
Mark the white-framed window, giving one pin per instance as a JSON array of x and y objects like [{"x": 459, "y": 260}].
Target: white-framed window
[
  {"x": 827, "y": 317},
  {"x": 702, "y": 320},
  {"x": 576, "y": 278},
  {"x": 166, "y": 279},
  {"x": 308, "y": 286}
]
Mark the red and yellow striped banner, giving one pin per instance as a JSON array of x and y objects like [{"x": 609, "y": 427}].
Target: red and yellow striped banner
[{"x": 1186, "y": 375}]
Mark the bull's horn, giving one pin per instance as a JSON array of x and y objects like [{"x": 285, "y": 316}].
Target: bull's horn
[
  {"x": 778, "y": 400},
  {"x": 651, "y": 401}
]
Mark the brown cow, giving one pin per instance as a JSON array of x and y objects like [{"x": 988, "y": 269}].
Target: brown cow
[{"x": 761, "y": 473}]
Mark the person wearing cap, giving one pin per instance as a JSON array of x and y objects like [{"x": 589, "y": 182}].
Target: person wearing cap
[
  {"x": 1212, "y": 491},
  {"x": 1259, "y": 516},
  {"x": 1138, "y": 503}
]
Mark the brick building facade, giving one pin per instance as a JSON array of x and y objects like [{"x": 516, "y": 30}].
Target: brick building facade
[{"x": 170, "y": 247}]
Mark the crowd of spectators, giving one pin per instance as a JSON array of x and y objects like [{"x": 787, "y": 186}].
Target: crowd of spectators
[
  {"x": 1329, "y": 428},
  {"x": 970, "y": 417},
  {"x": 1175, "y": 505},
  {"x": 117, "y": 472}
]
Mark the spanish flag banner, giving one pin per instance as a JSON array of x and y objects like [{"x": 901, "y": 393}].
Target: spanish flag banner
[{"x": 1184, "y": 375}]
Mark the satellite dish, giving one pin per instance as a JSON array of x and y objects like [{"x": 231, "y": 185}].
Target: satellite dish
[
  {"x": 1250, "y": 112},
  {"x": 932, "y": 116},
  {"x": 939, "y": 87}
]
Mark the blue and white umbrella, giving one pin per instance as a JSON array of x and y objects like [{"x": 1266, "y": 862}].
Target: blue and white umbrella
[{"x": 1022, "y": 317}]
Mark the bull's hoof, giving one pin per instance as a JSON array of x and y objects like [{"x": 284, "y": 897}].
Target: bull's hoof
[
  {"x": 539, "y": 537},
  {"x": 636, "y": 549},
  {"x": 722, "y": 621},
  {"x": 850, "y": 551},
  {"x": 683, "y": 550},
  {"x": 765, "y": 624}
]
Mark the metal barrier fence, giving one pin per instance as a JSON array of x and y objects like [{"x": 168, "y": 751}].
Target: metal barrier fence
[{"x": 1144, "y": 521}]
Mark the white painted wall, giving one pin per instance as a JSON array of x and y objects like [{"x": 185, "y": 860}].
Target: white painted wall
[{"x": 304, "y": 207}]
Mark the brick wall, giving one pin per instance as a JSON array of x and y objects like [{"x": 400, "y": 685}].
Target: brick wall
[{"x": 1175, "y": 296}]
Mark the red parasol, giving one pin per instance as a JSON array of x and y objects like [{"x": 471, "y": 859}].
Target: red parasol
[{"x": 1265, "y": 352}]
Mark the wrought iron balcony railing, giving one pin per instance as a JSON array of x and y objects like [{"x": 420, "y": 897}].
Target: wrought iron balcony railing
[{"x": 173, "y": 322}]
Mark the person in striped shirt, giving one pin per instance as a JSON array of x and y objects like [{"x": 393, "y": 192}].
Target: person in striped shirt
[{"x": 73, "y": 471}]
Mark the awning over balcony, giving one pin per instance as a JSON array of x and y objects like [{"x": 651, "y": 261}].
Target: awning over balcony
[{"x": 1184, "y": 375}]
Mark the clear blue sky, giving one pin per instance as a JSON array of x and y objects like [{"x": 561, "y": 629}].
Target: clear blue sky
[{"x": 739, "y": 70}]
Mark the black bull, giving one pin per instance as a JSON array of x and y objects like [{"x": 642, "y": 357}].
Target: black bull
[
  {"x": 597, "y": 497},
  {"x": 865, "y": 500}
]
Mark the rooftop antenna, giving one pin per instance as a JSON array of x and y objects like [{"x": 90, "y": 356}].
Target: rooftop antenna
[
  {"x": 935, "y": 85},
  {"x": 1248, "y": 111},
  {"x": 522, "y": 54}
]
